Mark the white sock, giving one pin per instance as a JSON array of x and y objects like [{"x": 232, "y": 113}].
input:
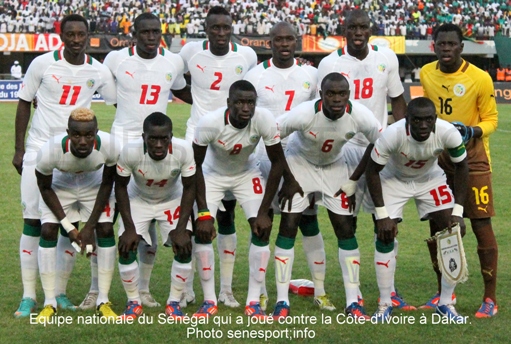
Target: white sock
[
  {"x": 106, "y": 266},
  {"x": 385, "y": 266},
  {"x": 189, "y": 281},
  {"x": 178, "y": 277},
  {"x": 314, "y": 248},
  {"x": 47, "y": 257},
  {"x": 446, "y": 293},
  {"x": 146, "y": 255},
  {"x": 94, "y": 287},
  {"x": 226, "y": 244},
  {"x": 393, "y": 289},
  {"x": 283, "y": 267},
  {"x": 205, "y": 258},
  {"x": 66, "y": 258},
  {"x": 350, "y": 266},
  {"x": 29, "y": 247},
  {"x": 130, "y": 277},
  {"x": 258, "y": 257}
]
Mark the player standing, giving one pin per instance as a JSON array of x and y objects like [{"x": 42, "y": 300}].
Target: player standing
[
  {"x": 372, "y": 73},
  {"x": 320, "y": 128},
  {"x": 64, "y": 80},
  {"x": 463, "y": 94},
  {"x": 148, "y": 187},
  {"x": 281, "y": 84},
  {"x": 75, "y": 175},
  {"x": 215, "y": 64},
  {"x": 409, "y": 150}
]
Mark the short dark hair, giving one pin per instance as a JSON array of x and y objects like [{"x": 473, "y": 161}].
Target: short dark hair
[
  {"x": 334, "y": 76},
  {"x": 419, "y": 102},
  {"x": 73, "y": 18},
  {"x": 448, "y": 28},
  {"x": 157, "y": 119},
  {"x": 241, "y": 85},
  {"x": 217, "y": 10},
  {"x": 144, "y": 16}
]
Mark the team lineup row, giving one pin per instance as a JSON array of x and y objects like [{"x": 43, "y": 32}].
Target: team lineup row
[{"x": 336, "y": 147}]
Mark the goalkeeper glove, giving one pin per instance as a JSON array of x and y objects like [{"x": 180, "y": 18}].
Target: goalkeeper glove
[{"x": 466, "y": 132}]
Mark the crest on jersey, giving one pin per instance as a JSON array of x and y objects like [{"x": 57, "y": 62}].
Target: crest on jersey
[
  {"x": 438, "y": 151},
  {"x": 175, "y": 172},
  {"x": 168, "y": 77},
  {"x": 306, "y": 85},
  {"x": 90, "y": 83},
  {"x": 459, "y": 90},
  {"x": 254, "y": 138},
  {"x": 382, "y": 67},
  {"x": 238, "y": 70},
  {"x": 349, "y": 135}
]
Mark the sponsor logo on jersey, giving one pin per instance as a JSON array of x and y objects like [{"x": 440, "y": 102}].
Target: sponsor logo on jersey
[
  {"x": 130, "y": 74},
  {"x": 175, "y": 172},
  {"x": 446, "y": 87},
  {"x": 254, "y": 138},
  {"x": 306, "y": 85},
  {"x": 349, "y": 135},
  {"x": 90, "y": 83},
  {"x": 168, "y": 77},
  {"x": 382, "y": 67},
  {"x": 270, "y": 88},
  {"x": 459, "y": 90},
  {"x": 238, "y": 70}
]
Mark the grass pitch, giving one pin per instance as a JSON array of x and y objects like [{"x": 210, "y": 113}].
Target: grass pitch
[{"x": 414, "y": 277}]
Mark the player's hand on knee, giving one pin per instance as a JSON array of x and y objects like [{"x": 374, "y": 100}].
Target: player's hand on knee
[
  {"x": 262, "y": 227},
  {"x": 290, "y": 187},
  {"x": 387, "y": 230},
  {"x": 181, "y": 243},
  {"x": 128, "y": 241},
  {"x": 88, "y": 241},
  {"x": 205, "y": 230}
]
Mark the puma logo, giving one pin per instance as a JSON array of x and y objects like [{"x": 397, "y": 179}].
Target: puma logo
[
  {"x": 270, "y": 88},
  {"x": 141, "y": 172},
  {"x": 130, "y": 74},
  {"x": 403, "y": 154},
  {"x": 485, "y": 209},
  {"x": 446, "y": 87},
  {"x": 56, "y": 78},
  {"x": 27, "y": 252},
  {"x": 70, "y": 253},
  {"x": 376, "y": 151},
  {"x": 207, "y": 269},
  {"x": 384, "y": 264},
  {"x": 181, "y": 278},
  {"x": 201, "y": 68},
  {"x": 282, "y": 260},
  {"x": 120, "y": 168},
  {"x": 320, "y": 263},
  {"x": 128, "y": 280},
  {"x": 356, "y": 262},
  {"x": 221, "y": 142},
  {"x": 347, "y": 75},
  {"x": 488, "y": 272},
  {"x": 262, "y": 270},
  {"x": 230, "y": 252},
  {"x": 313, "y": 134}
]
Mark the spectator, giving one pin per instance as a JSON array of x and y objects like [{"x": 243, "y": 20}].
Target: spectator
[{"x": 16, "y": 70}]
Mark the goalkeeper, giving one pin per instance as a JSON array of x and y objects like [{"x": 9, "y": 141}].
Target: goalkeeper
[
  {"x": 409, "y": 151},
  {"x": 464, "y": 93}
]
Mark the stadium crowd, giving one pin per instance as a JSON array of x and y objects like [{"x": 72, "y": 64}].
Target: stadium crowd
[{"x": 415, "y": 20}]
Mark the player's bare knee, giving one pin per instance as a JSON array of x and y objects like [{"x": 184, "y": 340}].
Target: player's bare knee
[
  {"x": 104, "y": 230},
  {"x": 50, "y": 231},
  {"x": 32, "y": 222}
]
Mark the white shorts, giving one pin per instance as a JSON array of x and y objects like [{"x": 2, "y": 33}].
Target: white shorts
[
  {"x": 431, "y": 194},
  {"x": 190, "y": 130},
  {"x": 247, "y": 188},
  {"x": 166, "y": 214},
  {"x": 352, "y": 154},
  {"x": 264, "y": 167},
  {"x": 322, "y": 181},
  {"x": 77, "y": 204},
  {"x": 30, "y": 194}
]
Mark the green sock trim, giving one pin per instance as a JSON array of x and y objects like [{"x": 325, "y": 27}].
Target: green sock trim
[
  {"x": 258, "y": 242},
  {"x": 33, "y": 231},
  {"x": 348, "y": 244},
  {"x": 197, "y": 241},
  {"x": 47, "y": 243},
  {"x": 132, "y": 256},
  {"x": 183, "y": 261},
  {"x": 285, "y": 243},
  {"x": 225, "y": 230},
  {"x": 63, "y": 231},
  {"x": 384, "y": 248},
  {"x": 106, "y": 242},
  {"x": 309, "y": 226}
]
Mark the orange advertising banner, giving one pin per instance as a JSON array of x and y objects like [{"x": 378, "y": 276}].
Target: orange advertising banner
[
  {"x": 15, "y": 42},
  {"x": 315, "y": 44}
]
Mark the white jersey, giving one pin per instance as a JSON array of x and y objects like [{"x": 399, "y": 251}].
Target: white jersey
[
  {"x": 407, "y": 159},
  {"x": 212, "y": 75},
  {"x": 371, "y": 79},
  {"x": 319, "y": 139},
  {"x": 143, "y": 86},
  {"x": 60, "y": 88},
  {"x": 155, "y": 181},
  {"x": 71, "y": 172},
  {"x": 230, "y": 149}
]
